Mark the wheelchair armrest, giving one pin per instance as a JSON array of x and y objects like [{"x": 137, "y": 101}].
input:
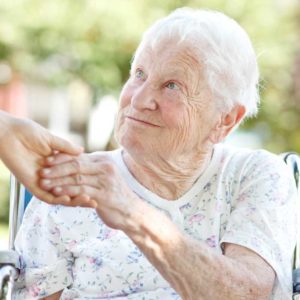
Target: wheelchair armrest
[
  {"x": 9, "y": 272},
  {"x": 9, "y": 258},
  {"x": 296, "y": 281}
]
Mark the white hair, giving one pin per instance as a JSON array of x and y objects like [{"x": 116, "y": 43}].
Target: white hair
[{"x": 222, "y": 46}]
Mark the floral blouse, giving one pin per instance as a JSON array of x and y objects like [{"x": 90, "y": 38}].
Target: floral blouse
[{"x": 244, "y": 197}]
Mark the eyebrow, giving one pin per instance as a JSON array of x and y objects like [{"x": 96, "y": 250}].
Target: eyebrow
[
  {"x": 169, "y": 72},
  {"x": 182, "y": 68}
]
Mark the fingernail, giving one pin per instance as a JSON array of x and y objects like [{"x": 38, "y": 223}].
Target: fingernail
[
  {"x": 50, "y": 159},
  {"x": 58, "y": 189},
  {"x": 46, "y": 171},
  {"x": 46, "y": 181},
  {"x": 66, "y": 199},
  {"x": 93, "y": 203}
]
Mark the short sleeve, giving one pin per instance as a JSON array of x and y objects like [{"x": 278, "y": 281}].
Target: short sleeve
[
  {"x": 45, "y": 262},
  {"x": 263, "y": 216}
]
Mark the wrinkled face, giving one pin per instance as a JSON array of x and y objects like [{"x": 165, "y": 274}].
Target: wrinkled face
[{"x": 166, "y": 107}]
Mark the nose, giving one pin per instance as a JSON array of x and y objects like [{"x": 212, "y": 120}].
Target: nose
[{"x": 144, "y": 97}]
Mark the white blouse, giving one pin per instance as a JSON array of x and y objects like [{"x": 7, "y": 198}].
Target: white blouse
[{"x": 244, "y": 197}]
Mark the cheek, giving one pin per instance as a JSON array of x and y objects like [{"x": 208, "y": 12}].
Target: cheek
[
  {"x": 125, "y": 96},
  {"x": 118, "y": 125},
  {"x": 124, "y": 102},
  {"x": 172, "y": 113}
]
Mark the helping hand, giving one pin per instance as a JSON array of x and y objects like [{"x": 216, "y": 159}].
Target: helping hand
[{"x": 24, "y": 147}]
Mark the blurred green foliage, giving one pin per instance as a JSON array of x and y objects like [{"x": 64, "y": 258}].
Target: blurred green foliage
[{"x": 57, "y": 41}]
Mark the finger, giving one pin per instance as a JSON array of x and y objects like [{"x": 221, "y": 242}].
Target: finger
[
  {"x": 48, "y": 184},
  {"x": 70, "y": 190},
  {"x": 61, "y": 145},
  {"x": 62, "y": 200},
  {"x": 76, "y": 190},
  {"x": 58, "y": 158},
  {"x": 83, "y": 201},
  {"x": 74, "y": 166},
  {"x": 76, "y": 179},
  {"x": 50, "y": 198},
  {"x": 64, "y": 169}
]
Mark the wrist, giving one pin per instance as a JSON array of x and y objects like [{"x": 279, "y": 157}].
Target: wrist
[
  {"x": 132, "y": 215},
  {"x": 146, "y": 223},
  {"x": 6, "y": 124}
]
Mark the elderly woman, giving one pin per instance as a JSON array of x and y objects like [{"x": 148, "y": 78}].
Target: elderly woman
[{"x": 178, "y": 215}]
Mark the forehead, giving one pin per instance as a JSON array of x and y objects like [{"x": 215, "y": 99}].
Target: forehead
[{"x": 168, "y": 55}]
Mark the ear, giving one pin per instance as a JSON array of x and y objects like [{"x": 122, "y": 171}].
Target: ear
[
  {"x": 227, "y": 122},
  {"x": 233, "y": 118}
]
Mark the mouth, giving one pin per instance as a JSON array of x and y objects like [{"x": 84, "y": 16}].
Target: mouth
[{"x": 142, "y": 122}]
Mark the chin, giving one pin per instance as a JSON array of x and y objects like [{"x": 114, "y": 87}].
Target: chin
[
  {"x": 134, "y": 141},
  {"x": 136, "y": 147},
  {"x": 131, "y": 144}
]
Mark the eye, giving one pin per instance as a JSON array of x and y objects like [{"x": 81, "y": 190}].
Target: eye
[
  {"x": 172, "y": 86},
  {"x": 139, "y": 74}
]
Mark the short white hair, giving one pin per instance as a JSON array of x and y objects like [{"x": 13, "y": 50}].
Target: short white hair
[{"x": 222, "y": 46}]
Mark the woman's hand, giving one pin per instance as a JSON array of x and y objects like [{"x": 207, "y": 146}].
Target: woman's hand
[
  {"x": 93, "y": 179},
  {"x": 24, "y": 145}
]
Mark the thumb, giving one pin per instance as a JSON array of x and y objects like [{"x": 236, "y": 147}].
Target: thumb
[{"x": 62, "y": 145}]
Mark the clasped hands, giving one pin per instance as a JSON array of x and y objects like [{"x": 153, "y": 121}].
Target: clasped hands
[{"x": 89, "y": 180}]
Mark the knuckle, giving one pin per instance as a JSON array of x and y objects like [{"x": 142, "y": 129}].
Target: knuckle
[
  {"x": 109, "y": 168},
  {"x": 82, "y": 189},
  {"x": 76, "y": 165},
  {"x": 99, "y": 182},
  {"x": 99, "y": 157},
  {"x": 78, "y": 179}
]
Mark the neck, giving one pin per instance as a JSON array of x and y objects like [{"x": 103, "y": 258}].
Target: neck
[{"x": 168, "y": 178}]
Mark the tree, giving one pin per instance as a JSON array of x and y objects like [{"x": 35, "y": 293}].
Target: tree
[{"x": 56, "y": 41}]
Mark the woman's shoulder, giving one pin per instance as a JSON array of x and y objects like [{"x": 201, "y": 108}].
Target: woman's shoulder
[
  {"x": 250, "y": 163},
  {"x": 249, "y": 157}
]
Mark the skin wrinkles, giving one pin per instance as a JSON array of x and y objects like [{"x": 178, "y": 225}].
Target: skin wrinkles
[
  {"x": 186, "y": 117},
  {"x": 183, "y": 68},
  {"x": 167, "y": 159}
]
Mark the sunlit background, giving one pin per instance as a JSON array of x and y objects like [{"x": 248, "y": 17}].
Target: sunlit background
[{"x": 63, "y": 63}]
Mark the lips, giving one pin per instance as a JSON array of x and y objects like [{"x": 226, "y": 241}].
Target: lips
[{"x": 141, "y": 121}]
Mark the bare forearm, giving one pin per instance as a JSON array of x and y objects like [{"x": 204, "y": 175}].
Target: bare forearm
[{"x": 193, "y": 269}]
